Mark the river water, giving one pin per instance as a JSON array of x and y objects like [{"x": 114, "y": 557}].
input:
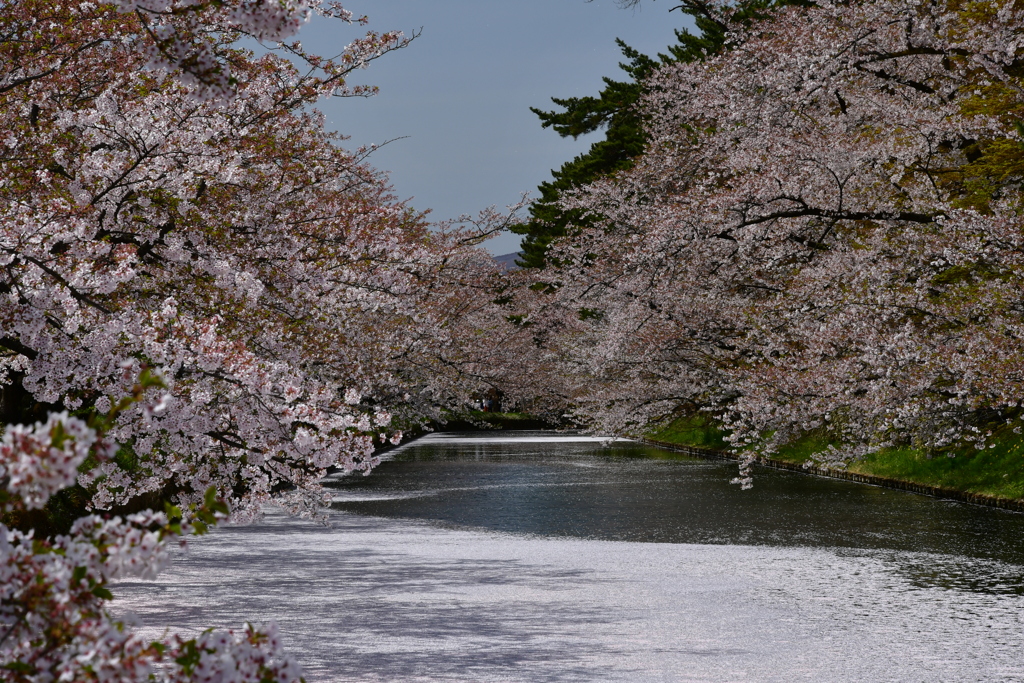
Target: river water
[{"x": 539, "y": 557}]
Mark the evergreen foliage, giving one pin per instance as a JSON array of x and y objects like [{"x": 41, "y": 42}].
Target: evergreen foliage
[{"x": 613, "y": 110}]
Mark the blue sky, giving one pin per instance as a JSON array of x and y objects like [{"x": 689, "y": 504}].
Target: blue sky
[{"x": 459, "y": 95}]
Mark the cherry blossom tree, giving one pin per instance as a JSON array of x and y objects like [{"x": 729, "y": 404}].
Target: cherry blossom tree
[
  {"x": 292, "y": 304},
  {"x": 173, "y": 209},
  {"x": 823, "y": 234}
]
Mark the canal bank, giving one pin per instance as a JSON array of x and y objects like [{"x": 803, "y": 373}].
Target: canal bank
[
  {"x": 992, "y": 477},
  {"x": 1016, "y": 505}
]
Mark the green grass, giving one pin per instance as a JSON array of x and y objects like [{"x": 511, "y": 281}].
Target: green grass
[
  {"x": 996, "y": 471},
  {"x": 699, "y": 431},
  {"x": 800, "y": 450}
]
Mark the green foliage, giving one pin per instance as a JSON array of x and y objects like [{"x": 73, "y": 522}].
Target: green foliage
[
  {"x": 102, "y": 592},
  {"x": 506, "y": 420},
  {"x": 201, "y": 517},
  {"x": 996, "y": 471},
  {"x": 190, "y": 655},
  {"x": 60, "y": 512},
  {"x": 624, "y": 140}
]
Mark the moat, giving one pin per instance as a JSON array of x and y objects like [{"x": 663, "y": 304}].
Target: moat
[{"x": 544, "y": 557}]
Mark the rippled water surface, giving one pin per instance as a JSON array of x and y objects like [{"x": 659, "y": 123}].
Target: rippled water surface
[{"x": 532, "y": 557}]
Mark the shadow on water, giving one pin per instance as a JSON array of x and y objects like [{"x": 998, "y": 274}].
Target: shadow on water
[{"x": 539, "y": 484}]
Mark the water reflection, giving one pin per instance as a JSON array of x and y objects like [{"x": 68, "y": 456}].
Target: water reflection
[{"x": 568, "y": 486}]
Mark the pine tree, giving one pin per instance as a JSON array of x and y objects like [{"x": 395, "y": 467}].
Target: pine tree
[{"x": 614, "y": 110}]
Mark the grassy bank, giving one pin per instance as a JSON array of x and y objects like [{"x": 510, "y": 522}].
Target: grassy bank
[{"x": 996, "y": 471}]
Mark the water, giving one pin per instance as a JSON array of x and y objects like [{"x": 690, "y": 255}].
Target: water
[{"x": 528, "y": 557}]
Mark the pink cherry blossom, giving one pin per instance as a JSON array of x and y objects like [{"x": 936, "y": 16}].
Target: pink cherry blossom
[{"x": 813, "y": 239}]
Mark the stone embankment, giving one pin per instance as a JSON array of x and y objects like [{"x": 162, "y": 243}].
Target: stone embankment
[{"x": 885, "y": 482}]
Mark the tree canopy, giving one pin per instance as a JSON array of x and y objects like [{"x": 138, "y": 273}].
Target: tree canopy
[{"x": 822, "y": 234}]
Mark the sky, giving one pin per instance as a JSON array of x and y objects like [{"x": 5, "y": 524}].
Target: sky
[{"x": 455, "y": 104}]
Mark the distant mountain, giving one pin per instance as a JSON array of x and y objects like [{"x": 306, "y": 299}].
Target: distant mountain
[{"x": 508, "y": 261}]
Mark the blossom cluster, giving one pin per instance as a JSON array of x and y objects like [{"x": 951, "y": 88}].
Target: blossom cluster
[
  {"x": 54, "y": 624},
  {"x": 39, "y": 460},
  {"x": 191, "y": 37}
]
